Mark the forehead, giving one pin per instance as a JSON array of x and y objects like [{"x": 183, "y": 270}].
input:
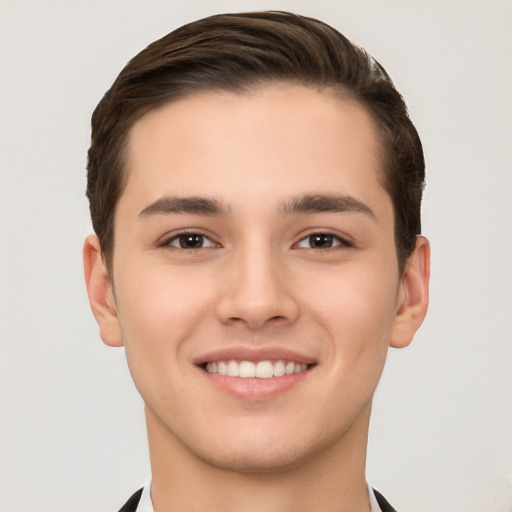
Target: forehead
[{"x": 274, "y": 140}]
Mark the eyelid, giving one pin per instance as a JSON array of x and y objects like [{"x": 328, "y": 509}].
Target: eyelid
[
  {"x": 166, "y": 240},
  {"x": 343, "y": 239}
]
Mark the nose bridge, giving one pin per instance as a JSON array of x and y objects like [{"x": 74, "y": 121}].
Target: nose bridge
[{"x": 255, "y": 290}]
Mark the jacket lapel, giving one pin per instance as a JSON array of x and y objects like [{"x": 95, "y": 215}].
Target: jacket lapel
[
  {"x": 383, "y": 503},
  {"x": 131, "y": 504}
]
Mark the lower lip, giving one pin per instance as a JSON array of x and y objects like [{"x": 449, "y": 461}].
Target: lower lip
[{"x": 256, "y": 389}]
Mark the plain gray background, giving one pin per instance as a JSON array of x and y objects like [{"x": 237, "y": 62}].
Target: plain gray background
[{"x": 72, "y": 435}]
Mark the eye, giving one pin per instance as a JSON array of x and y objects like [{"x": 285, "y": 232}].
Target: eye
[
  {"x": 190, "y": 241},
  {"x": 322, "y": 241}
]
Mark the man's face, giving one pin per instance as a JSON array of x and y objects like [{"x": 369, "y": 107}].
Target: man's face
[{"x": 254, "y": 235}]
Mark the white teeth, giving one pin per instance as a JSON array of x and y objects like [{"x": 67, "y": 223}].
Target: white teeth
[
  {"x": 264, "y": 370},
  {"x": 247, "y": 370},
  {"x": 260, "y": 370},
  {"x": 279, "y": 369},
  {"x": 289, "y": 368},
  {"x": 232, "y": 369}
]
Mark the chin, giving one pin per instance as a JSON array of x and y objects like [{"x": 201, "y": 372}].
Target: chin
[
  {"x": 263, "y": 450},
  {"x": 255, "y": 459}
]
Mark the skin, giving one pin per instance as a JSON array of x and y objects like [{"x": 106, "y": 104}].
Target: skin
[{"x": 257, "y": 282}]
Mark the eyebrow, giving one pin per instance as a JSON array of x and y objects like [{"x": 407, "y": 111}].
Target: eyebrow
[
  {"x": 307, "y": 203},
  {"x": 326, "y": 203},
  {"x": 197, "y": 205}
]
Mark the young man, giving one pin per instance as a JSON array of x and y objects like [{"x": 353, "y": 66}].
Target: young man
[{"x": 255, "y": 186}]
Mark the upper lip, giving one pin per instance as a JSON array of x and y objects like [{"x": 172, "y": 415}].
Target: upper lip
[{"x": 255, "y": 354}]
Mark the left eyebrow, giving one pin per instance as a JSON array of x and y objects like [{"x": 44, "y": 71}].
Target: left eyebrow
[{"x": 326, "y": 203}]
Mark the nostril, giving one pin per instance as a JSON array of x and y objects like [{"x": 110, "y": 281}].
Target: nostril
[{"x": 257, "y": 322}]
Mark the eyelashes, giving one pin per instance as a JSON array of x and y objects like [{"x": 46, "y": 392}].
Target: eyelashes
[
  {"x": 323, "y": 241},
  {"x": 317, "y": 240},
  {"x": 190, "y": 241}
]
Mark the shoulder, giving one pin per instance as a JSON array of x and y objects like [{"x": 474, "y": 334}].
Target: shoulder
[{"x": 131, "y": 504}]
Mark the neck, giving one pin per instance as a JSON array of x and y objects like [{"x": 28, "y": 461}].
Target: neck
[{"x": 332, "y": 480}]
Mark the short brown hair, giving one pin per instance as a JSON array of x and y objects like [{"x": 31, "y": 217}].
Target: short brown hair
[{"x": 234, "y": 52}]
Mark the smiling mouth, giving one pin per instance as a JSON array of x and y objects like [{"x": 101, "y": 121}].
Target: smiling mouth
[{"x": 258, "y": 370}]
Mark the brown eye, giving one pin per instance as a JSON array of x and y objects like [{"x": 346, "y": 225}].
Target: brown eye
[
  {"x": 320, "y": 241},
  {"x": 190, "y": 241}
]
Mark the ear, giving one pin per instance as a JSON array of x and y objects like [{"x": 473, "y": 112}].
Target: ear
[
  {"x": 100, "y": 292},
  {"x": 412, "y": 301}
]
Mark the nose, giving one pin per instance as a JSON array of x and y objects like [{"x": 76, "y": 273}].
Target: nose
[{"x": 257, "y": 291}]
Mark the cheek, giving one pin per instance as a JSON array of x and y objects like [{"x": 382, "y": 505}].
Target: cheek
[
  {"x": 159, "y": 313},
  {"x": 158, "y": 310},
  {"x": 357, "y": 306}
]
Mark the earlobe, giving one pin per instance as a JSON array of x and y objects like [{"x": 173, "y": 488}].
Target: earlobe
[
  {"x": 100, "y": 293},
  {"x": 414, "y": 295}
]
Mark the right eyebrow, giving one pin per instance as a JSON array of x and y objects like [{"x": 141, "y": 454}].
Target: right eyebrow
[{"x": 195, "y": 205}]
